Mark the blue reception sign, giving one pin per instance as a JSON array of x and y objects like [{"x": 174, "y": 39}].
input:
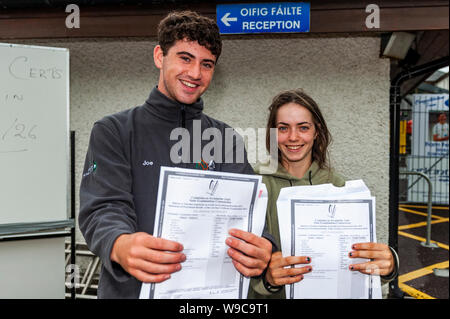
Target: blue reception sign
[{"x": 263, "y": 17}]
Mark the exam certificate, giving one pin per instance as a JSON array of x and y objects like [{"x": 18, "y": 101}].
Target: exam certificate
[
  {"x": 325, "y": 229},
  {"x": 197, "y": 208}
]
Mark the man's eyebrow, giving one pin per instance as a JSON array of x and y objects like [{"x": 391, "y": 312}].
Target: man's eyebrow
[
  {"x": 186, "y": 53},
  {"x": 193, "y": 56},
  {"x": 210, "y": 61}
]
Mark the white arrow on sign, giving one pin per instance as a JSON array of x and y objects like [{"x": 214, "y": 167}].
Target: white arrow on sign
[{"x": 225, "y": 19}]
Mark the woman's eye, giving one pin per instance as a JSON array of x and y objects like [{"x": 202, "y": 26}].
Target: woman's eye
[
  {"x": 282, "y": 129},
  {"x": 304, "y": 128}
]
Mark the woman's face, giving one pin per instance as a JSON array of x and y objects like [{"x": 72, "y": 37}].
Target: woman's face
[{"x": 296, "y": 133}]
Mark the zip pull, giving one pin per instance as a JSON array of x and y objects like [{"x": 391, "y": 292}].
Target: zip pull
[
  {"x": 182, "y": 122},
  {"x": 183, "y": 116}
]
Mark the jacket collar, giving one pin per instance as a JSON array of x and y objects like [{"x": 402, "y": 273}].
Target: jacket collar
[
  {"x": 283, "y": 173},
  {"x": 167, "y": 109}
]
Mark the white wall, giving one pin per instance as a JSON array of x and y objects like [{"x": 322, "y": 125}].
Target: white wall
[{"x": 343, "y": 74}]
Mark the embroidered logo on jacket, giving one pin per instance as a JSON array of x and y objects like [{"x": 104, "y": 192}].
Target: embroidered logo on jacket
[
  {"x": 202, "y": 165},
  {"x": 91, "y": 169}
]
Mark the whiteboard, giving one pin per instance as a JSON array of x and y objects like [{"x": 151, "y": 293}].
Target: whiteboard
[{"x": 34, "y": 134}]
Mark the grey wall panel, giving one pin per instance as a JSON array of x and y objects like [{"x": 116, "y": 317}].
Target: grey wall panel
[{"x": 32, "y": 268}]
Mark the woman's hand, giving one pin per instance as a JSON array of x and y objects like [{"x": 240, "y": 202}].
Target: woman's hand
[
  {"x": 380, "y": 255},
  {"x": 277, "y": 275}
]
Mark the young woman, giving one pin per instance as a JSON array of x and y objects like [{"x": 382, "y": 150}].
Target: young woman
[{"x": 303, "y": 140}]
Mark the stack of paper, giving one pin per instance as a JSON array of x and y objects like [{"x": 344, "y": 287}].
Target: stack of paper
[
  {"x": 197, "y": 208},
  {"x": 323, "y": 222}
]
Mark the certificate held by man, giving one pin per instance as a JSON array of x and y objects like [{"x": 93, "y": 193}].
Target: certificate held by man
[{"x": 197, "y": 209}]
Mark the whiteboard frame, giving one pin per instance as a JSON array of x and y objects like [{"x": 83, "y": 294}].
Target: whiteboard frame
[{"x": 67, "y": 139}]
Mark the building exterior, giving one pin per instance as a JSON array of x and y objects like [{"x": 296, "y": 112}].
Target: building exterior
[{"x": 340, "y": 63}]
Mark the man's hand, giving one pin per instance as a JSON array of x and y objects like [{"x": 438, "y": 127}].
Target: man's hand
[
  {"x": 382, "y": 261},
  {"x": 251, "y": 254},
  {"x": 278, "y": 274},
  {"x": 147, "y": 258}
]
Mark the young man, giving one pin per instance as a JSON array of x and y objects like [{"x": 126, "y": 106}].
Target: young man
[{"x": 120, "y": 184}]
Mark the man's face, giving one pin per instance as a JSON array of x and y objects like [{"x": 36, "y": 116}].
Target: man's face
[
  {"x": 185, "y": 71},
  {"x": 442, "y": 118}
]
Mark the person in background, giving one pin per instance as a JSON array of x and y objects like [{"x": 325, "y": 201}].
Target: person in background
[
  {"x": 440, "y": 129},
  {"x": 303, "y": 140}
]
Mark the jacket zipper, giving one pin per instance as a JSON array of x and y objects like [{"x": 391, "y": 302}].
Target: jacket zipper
[
  {"x": 183, "y": 116},
  {"x": 310, "y": 179},
  {"x": 182, "y": 123}
]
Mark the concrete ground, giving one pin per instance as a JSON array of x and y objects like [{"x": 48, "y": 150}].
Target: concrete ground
[{"x": 421, "y": 267}]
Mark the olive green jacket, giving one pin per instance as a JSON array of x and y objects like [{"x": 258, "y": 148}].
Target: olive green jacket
[{"x": 274, "y": 183}]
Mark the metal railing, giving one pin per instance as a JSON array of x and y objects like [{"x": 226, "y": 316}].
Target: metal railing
[
  {"x": 88, "y": 285},
  {"x": 427, "y": 242}
]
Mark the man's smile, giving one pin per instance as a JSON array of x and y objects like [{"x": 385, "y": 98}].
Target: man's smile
[{"x": 189, "y": 84}]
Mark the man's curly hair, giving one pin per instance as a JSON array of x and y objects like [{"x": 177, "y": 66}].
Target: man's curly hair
[{"x": 179, "y": 25}]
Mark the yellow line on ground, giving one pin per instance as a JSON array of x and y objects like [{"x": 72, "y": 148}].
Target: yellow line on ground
[
  {"x": 416, "y": 206},
  {"x": 422, "y": 239},
  {"x": 422, "y": 224},
  {"x": 419, "y": 213},
  {"x": 422, "y": 272},
  {"x": 414, "y": 292}
]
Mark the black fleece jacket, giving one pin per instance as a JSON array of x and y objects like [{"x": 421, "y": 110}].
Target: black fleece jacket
[{"x": 119, "y": 186}]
